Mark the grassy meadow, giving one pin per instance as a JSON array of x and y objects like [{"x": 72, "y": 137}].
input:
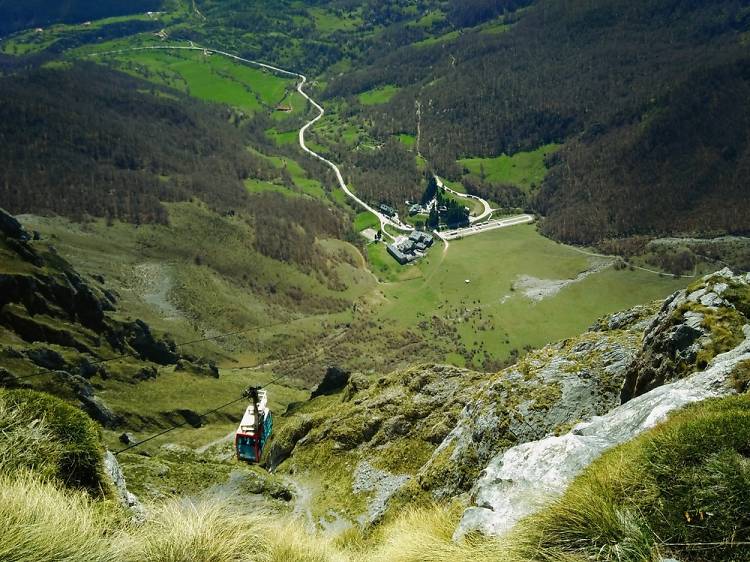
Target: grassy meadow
[
  {"x": 211, "y": 78},
  {"x": 523, "y": 169},
  {"x": 489, "y": 313},
  {"x": 378, "y": 95}
]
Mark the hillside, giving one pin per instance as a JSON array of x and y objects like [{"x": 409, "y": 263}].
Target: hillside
[
  {"x": 637, "y": 93},
  {"x": 366, "y": 458},
  {"x": 199, "y": 198},
  {"x": 38, "y": 13}
]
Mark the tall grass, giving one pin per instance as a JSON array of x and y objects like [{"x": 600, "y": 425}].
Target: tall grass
[
  {"x": 182, "y": 531},
  {"x": 681, "y": 489},
  {"x": 26, "y": 443},
  {"x": 39, "y": 522},
  {"x": 426, "y": 535}
]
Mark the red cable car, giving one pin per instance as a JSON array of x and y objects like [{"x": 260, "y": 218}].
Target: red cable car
[{"x": 255, "y": 427}]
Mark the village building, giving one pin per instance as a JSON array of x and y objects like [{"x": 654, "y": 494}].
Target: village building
[{"x": 412, "y": 248}]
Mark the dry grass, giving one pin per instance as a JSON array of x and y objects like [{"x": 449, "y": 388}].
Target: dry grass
[
  {"x": 26, "y": 443},
  {"x": 182, "y": 531},
  {"x": 42, "y": 522},
  {"x": 426, "y": 535}
]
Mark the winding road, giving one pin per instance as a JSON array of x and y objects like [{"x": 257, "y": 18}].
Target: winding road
[
  {"x": 488, "y": 210},
  {"x": 384, "y": 220}
]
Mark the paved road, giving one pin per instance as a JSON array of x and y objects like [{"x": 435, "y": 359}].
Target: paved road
[
  {"x": 384, "y": 220},
  {"x": 488, "y": 210},
  {"x": 485, "y": 227}
]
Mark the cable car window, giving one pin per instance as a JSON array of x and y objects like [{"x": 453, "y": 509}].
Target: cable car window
[{"x": 246, "y": 448}]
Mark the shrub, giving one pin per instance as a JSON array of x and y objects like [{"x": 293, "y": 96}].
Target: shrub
[{"x": 77, "y": 444}]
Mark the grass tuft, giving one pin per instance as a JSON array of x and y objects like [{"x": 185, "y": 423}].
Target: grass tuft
[
  {"x": 42, "y": 522},
  {"x": 671, "y": 491},
  {"x": 69, "y": 447}
]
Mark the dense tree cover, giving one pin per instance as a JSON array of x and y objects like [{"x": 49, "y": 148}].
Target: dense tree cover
[
  {"x": 596, "y": 74},
  {"x": 15, "y": 14},
  {"x": 506, "y": 196},
  {"x": 469, "y": 13},
  {"x": 683, "y": 168},
  {"x": 87, "y": 141},
  {"x": 91, "y": 141},
  {"x": 388, "y": 174}
]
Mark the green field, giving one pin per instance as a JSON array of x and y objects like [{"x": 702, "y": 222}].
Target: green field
[
  {"x": 282, "y": 139},
  {"x": 210, "y": 77},
  {"x": 523, "y": 169},
  {"x": 439, "y": 39},
  {"x": 378, "y": 95},
  {"x": 408, "y": 140},
  {"x": 491, "y": 316},
  {"x": 366, "y": 220}
]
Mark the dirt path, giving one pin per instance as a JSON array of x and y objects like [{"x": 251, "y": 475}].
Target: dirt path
[{"x": 303, "y": 494}]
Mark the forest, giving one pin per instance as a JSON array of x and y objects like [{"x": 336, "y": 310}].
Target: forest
[
  {"x": 594, "y": 75},
  {"x": 15, "y": 15},
  {"x": 91, "y": 142}
]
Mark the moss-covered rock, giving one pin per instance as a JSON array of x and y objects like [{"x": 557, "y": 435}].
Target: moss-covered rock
[
  {"x": 692, "y": 327},
  {"x": 392, "y": 424}
]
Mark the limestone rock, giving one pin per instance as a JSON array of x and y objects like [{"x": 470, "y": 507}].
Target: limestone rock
[
  {"x": 547, "y": 391},
  {"x": 126, "y": 498},
  {"x": 382, "y": 484},
  {"x": 524, "y": 478}
]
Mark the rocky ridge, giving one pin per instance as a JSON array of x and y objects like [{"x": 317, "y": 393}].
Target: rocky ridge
[
  {"x": 56, "y": 322},
  {"x": 699, "y": 340}
]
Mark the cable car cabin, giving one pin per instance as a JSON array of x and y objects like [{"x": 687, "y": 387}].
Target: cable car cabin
[{"x": 255, "y": 428}]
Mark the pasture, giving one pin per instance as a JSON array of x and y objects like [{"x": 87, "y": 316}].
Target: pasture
[
  {"x": 523, "y": 169},
  {"x": 491, "y": 313}
]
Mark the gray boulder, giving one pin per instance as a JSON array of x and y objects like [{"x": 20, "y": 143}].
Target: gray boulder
[{"x": 126, "y": 498}]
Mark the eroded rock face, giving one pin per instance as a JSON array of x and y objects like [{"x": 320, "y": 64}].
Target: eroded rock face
[
  {"x": 524, "y": 478},
  {"x": 692, "y": 326},
  {"x": 334, "y": 380},
  {"x": 548, "y": 391}
]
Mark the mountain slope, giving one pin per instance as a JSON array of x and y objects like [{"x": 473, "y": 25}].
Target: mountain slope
[
  {"x": 39, "y": 13},
  {"x": 642, "y": 92}
]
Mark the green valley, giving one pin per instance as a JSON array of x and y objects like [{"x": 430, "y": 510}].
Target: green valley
[{"x": 204, "y": 201}]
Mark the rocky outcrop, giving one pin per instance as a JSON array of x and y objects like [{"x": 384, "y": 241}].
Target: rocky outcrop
[
  {"x": 334, "y": 380},
  {"x": 692, "y": 326},
  {"x": 548, "y": 391},
  {"x": 524, "y": 478},
  {"x": 126, "y": 498},
  {"x": 10, "y": 226},
  {"x": 381, "y": 484}
]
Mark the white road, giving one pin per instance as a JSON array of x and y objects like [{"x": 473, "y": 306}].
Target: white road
[
  {"x": 384, "y": 220},
  {"x": 488, "y": 210},
  {"x": 485, "y": 227}
]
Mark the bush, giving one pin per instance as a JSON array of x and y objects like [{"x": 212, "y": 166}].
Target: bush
[
  {"x": 72, "y": 452},
  {"x": 681, "y": 489}
]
